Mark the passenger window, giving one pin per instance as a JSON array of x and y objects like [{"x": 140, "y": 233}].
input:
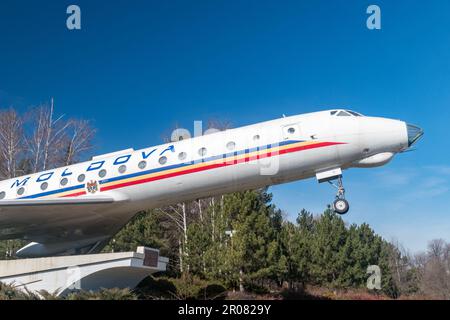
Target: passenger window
[
  {"x": 2, "y": 195},
  {"x": 44, "y": 186},
  {"x": 182, "y": 155},
  {"x": 21, "y": 191},
  {"x": 64, "y": 181},
  {"x": 231, "y": 145},
  {"x": 81, "y": 177},
  {"x": 291, "y": 131},
  {"x": 122, "y": 168},
  {"x": 102, "y": 173},
  {"x": 142, "y": 165},
  {"x": 162, "y": 160}
]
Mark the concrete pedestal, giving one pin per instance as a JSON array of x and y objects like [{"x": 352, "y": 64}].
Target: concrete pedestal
[{"x": 87, "y": 272}]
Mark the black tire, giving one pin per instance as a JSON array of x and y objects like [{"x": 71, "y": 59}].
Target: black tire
[{"x": 341, "y": 206}]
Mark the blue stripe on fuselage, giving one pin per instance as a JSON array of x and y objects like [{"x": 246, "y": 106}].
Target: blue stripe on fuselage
[
  {"x": 175, "y": 166},
  {"x": 181, "y": 165},
  {"x": 48, "y": 193}
]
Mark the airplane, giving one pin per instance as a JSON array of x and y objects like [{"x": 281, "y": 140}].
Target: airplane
[{"x": 77, "y": 209}]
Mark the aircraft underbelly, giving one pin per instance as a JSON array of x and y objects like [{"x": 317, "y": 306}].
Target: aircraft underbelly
[{"x": 56, "y": 224}]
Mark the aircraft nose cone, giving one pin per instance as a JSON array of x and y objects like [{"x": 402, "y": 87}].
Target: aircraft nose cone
[{"x": 414, "y": 133}]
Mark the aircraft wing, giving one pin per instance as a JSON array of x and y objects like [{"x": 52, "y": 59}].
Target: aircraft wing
[{"x": 63, "y": 219}]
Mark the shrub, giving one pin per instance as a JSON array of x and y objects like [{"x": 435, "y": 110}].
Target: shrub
[
  {"x": 212, "y": 291},
  {"x": 9, "y": 292},
  {"x": 186, "y": 287},
  {"x": 156, "y": 288},
  {"x": 254, "y": 287},
  {"x": 103, "y": 294}
]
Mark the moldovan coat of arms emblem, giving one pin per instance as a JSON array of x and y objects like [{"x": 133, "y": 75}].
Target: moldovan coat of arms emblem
[{"x": 92, "y": 186}]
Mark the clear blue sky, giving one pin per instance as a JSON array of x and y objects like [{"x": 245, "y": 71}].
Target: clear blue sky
[{"x": 137, "y": 68}]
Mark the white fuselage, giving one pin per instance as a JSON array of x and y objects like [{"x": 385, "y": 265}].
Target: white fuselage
[{"x": 254, "y": 156}]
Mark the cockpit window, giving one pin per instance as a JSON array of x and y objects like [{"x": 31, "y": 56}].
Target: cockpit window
[
  {"x": 343, "y": 114},
  {"x": 356, "y": 114}
]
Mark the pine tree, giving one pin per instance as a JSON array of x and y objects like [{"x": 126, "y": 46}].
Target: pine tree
[
  {"x": 253, "y": 247},
  {"x": 143, "y": 230},
  {"x": 304, "y": 246},
  {"x": 329, "y": 237},
  {"x": 198, "y": 245}
]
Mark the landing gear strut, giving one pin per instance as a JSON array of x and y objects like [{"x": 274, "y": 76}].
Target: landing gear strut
[{"x": 340, "y": 205}]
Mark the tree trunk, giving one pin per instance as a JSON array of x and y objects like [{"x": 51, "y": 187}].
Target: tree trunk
[
  {"x": 200, "y": 212},
  {"x": 213, "y": 213},
  {"x": 185, "y": 245},
  {"x": 48, "y": 136},
  {"x": 180, "y": 250},
  {"x": 241, "y": 280}
]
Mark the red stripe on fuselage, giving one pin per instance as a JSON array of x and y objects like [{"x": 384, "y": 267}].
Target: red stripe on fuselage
[
  {"x": 81, "y": 193},
  {"x": 220, "y": 165}
]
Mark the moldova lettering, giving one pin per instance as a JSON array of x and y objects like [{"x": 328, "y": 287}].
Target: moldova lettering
[{"x": 92, "y": 166}]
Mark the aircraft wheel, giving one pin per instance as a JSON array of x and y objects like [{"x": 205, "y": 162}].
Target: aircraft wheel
[{"x": 341, "y": 206}]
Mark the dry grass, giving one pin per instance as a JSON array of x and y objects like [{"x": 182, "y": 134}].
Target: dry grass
[
  {"x": 312, "y": 293},
  {"x": 349, "y": 294}
]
